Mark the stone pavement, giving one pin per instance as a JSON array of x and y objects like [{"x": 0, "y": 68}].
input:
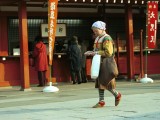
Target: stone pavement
[{"x": 74, "y": 102}]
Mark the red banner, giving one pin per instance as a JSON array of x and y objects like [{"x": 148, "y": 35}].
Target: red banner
[
  {"x": 152, "y": 23},
  {"x": 52, "y": 23}
]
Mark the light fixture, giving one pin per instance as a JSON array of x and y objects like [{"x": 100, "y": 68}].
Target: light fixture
[
  {"x": 129, "y": 1},
  {"x": 142, "y": 2},
  {"x": 114, "y": 1},
  {"x": 75, "y": 0},
  {"x": 91, "y": 0},
  {"x": 83, "y": 0},
  {"x": 59, "y": 56},
  {"x": 121, "y": 1},
  {"x": 106, "y": 1},
  {"x": 135, "y": 1},
  {"x": 3, "y": 58},
  {"x": 99, "y": 1}
]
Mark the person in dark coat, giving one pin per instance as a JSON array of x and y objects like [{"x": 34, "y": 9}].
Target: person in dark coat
[
  {"x": 75, "y": 60},
  {"x": 83, "y": 46},
  {"x": 41, "y": 61}
]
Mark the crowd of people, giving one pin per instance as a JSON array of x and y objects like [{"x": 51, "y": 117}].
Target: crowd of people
[{"x": 77, "y": 60}]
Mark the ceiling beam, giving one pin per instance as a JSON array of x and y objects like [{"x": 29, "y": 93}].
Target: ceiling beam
[{"x": 72, "y": 3}]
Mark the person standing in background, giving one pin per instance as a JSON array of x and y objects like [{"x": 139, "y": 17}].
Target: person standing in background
[
  {"x": 75, "y": 58},
  {"x": 41, "y": 61},
  {"x": 83, "y": 46},
  {"x": 103, "y": 45}
]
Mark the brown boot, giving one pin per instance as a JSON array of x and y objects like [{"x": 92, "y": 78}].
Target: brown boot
[{"x": 117, "y": 99}]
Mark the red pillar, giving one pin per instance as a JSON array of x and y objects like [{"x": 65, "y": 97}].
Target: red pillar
[
  {"x": 23, "y": 35},
  {"x": 129, "y": 42},
  {"x": 3, "y": 35}
]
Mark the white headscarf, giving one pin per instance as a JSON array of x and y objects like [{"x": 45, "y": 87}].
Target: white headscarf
[{"x": 99, "y": 24}]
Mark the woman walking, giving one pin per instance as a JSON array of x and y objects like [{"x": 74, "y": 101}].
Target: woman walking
[{"x": 103, "y": 45}]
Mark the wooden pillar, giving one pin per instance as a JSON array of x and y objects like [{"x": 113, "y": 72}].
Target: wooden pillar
[
  {"x": 24, "y": 54},
  {"x": 141, "y": 55},
  {"x": 129, "y": 42},
  {"x": 3, "y": 36}
]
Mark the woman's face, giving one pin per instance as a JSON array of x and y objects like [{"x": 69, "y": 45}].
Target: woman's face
[{"x": 97, "y": 32}]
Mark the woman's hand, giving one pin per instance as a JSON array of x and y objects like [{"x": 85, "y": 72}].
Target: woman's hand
[{"x": 90, "y": 53}]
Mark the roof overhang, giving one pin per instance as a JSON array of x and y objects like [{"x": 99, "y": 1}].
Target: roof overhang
[
  {"x": 65, "y": 2},
  {"x": 41, "y": 5}
]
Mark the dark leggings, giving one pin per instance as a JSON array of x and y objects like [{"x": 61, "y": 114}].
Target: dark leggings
[
  {"x": 83, "y": 75},
  {"x": 42, "y": 78},
  {"x": 76, "y": 76}
]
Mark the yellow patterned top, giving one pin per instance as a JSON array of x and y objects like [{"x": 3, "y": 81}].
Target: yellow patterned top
[{"x": 104, "y": 45}]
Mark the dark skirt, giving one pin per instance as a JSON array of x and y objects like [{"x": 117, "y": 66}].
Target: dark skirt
[{"x": 105, "y": 79}]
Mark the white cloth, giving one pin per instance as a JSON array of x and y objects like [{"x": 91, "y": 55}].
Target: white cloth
[{"x": 99, "y": 24}]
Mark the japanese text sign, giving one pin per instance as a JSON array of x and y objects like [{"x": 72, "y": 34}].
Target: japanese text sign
[
  {"x": 152, "y": 23},
  {"x": 52, "y": 22},
  {"x": 60, "y": 30}
]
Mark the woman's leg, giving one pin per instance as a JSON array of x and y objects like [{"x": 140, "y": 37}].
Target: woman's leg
[
  {"x": 117, "y": 96},
  {"x": 44, "y": 78},
  {"x": 73, "y": 77},
  {"x": 114, "y": 92},
  {"x": 101, "y": 102},
  {"x": 79, "y": 78},
  {"x": 40, "y": 78},
  {"x": 101, "y": 94},
  {"x": 83, "y": 74}
]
